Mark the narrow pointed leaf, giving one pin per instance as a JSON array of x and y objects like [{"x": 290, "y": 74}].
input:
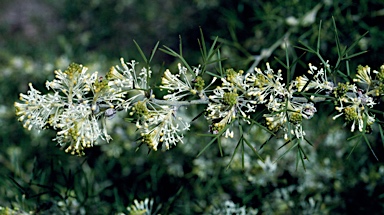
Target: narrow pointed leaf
[
  {"x": 140, "y": 51},
  {"x": 381, "y": 134},
  {"x": 356, "y": 42},
  {"x": 370, "y": 147},
  {"x": 293, "y": 145},
  {"x": 153, "y": 51},
  {"x": 354, "y": 146},
  {"x": 253, "y": 149},
  {"x": 318, "y": 38},
  {"x": 354, "y": 55},
  {"x": 234, "y": 152}
]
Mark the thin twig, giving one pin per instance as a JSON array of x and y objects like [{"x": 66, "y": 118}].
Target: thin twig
[{"x": 179, "y": 103}]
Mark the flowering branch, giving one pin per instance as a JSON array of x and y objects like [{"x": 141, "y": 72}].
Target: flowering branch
[{"x": 80, "y": 103}]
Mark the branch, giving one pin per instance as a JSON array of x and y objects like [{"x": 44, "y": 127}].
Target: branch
[
  {"x": 305, "y": 100},
  {"x": 179, "y": 103}
]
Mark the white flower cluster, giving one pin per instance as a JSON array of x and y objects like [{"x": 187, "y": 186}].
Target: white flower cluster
[
  {"x": 82, "y": 102},
  {"x": 353, "y": 102},
  {"x": 68, "y": 110},
  {"x": 125, "y": 80},
  {"x": 229, "y": 207},
  {"x": 79, "y": 106},
  {"x": 240, "y": 94},
  {"x": 350, "y": 101},
  {"x": 158, "y": 124},
  {"x": 157, "y": 120},
  {"x": 229, "y": 101},
  {"x": 319, "y": 80},
  {"x": 143, "y": 207},
  {"x": 178, "y": 86}
]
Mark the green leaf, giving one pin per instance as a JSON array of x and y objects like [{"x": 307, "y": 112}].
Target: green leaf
[
  {"x": 213, "y": 50},
  {"x": 153, "y": 51},
  {"x": 171, "y": 52},
  {"x": 354, "y": 137},
  {"x": 299, "y": 157},
  {"x": 234, "y": 152},
  {"x": 208, "y": 145},
  {"x": 216, "y": 137},
  {"x": 208, "y": 55},
  {"x": 242, "y": 155},
  {"x": 338, "y": 44},
  {"x": 309, "y": 142},
  {"x": 287, "y": 57},
  {"x": 203, "y": 48},
  {"x": 281, "y": 62},
  {"x": 262, "y": 145},
  {"x": 220, "y": 65},
  {"x": 140, "y": 51},
  {"x": 305, "y": 48},
  {"x": 293, "y": 145},
  {"x": 381, "y": 134},
  {"x": 220, "y": 148},
  {"x": 369, "y": 145},
  {"x": 318, "y": 38},
  {"x": 301, "y": 153},
  {"x": 354, "y": 146},
  {"x": 356, "y": 42},
  {"x": 286, "y": 143},
  {"x": 197, "y": 116},
  {"x": 253, "y": 149},
  {"x": 347, "y": 66},
  {"x": 215, "y": 75},
  {"x": 354, "y": 55},
  {"x": 344, "y": 76},
  {"x": 180, "y": 46}
]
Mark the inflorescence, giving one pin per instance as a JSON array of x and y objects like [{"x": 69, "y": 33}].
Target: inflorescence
[{"x": 79, "y": 103}]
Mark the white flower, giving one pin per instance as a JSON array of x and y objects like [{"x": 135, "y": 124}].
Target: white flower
[
  {"x": 73, "y": 110},
  {"x": 289, "y": 118},
  {"x": 73, "y": 82},
  {"x": 78, "y": 129},
  {"x": 159, "y": 124},
  {"x": 131, "y": 80},
  {"x": 228, "y": 207},
  {"x": 36, "y": 108},
  {"x": 183, "y": 84},
  {"x": 116, "y": 79},
  {"x": 126, "y": 79},
  {"x": 364, "y": 75},
  {"x": 319, "y": 81},
  {"x": 178, "y": 86},
  {"x": 353, "y": 106},
  {"x": 275, "y": 121},
  {"x": 308, "y": 110},
  {"x": 143, "y": 207},
  {"x": 230, "y": 102},
  {"x": 266, "y": 85}
]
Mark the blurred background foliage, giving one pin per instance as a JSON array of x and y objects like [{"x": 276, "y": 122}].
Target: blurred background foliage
[{"x": 39, "y": 36}]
